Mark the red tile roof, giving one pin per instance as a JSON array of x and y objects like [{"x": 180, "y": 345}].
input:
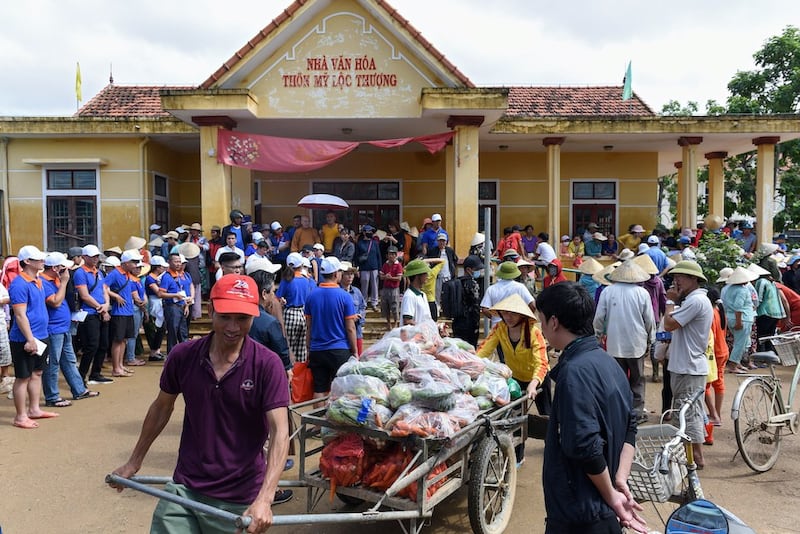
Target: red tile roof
[
  {"x": 573, "y": 101},
  {"x": 127, "y": 101},
  {"x": 295, "y": 6}
]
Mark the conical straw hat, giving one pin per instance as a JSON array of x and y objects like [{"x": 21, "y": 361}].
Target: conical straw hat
[
  {"x": 515, "y": 304},
  {"x": 590, "y": 266},
  {"x": 757, "y": 269},
  {"x": 646, "y": 263},
  {"x": 626, "y": 254},
  {"x": 629, "y": 273},
  {"x": 740, "y": 276},
  {"x": 600, "y": 276},
  {"x": 134, "y": 242},
  {"x": 189, "y": 250}
]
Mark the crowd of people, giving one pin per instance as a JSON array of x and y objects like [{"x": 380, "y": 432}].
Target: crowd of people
[{"x": 79, "y": 312}]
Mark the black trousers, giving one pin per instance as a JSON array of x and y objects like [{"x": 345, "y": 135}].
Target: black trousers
[{"x": 93, "y": 332}]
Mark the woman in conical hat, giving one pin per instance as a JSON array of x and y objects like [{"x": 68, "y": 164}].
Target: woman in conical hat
[
  {"x": 738, "y": 297},
  {"x": 524, "y": 348},
  {"x": 589, "y": 267}
]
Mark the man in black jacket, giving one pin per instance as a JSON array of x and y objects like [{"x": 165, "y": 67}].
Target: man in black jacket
[{"x": 591, "y": 435}]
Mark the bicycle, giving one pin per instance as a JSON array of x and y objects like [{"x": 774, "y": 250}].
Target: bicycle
[
  {"x": 663, "y": 468},
  {"x": 760, "y": 416}
]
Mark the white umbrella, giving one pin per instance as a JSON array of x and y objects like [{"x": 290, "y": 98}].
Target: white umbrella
[{"x": 323, "y": 201}]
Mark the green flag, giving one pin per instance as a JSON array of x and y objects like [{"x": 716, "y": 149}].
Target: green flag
[{"x": 627, "y": 91}]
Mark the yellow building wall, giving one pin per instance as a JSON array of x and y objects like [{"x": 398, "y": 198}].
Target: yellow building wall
[
  {"x": 522, "y": 187},
  {"x": 119, "y": 185}
]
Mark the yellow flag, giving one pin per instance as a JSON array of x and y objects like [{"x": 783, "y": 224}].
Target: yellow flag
[{"x": 78, "y": 94}]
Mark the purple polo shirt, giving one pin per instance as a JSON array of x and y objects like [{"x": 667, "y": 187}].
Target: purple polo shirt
[{"x": 221, "y": 454}]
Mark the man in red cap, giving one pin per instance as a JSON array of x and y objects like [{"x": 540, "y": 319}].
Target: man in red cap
[{"x": 236, "y": 396}]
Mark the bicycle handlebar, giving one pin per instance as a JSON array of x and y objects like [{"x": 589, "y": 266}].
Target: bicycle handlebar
[{"x": 680, "y": 435}]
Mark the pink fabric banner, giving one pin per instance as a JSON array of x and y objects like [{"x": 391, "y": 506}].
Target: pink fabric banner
[{"x": 284, "y": 154}]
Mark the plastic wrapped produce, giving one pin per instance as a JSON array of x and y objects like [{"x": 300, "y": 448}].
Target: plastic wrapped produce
[
  {"x": 465, "y": 410},
  {"x": 425, "y": 334},
  {"x": 463, "y": 360},
  {"x": 498, "y": 369},
  {"x": 381, "y": 368},
  {"x": 358, "y": 411},
  {"x": 360, "y": 386},
  {"x": 342, "y": 461},
  {"x": 414, "y": 419},
  {"x": 493, "y": 387},
  {"x": 390, "y": 348}
]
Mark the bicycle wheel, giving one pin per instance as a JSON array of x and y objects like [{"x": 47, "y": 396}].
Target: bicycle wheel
[{"x": 758, "y": 441}]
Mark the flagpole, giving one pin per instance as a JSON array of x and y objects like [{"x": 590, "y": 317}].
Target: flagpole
[{"x": 78, "y": 83}]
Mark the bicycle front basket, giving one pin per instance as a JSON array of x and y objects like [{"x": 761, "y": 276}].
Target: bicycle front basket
[
  {"x": 787, "y": 350},
  {"x": 645, "y": 482}
]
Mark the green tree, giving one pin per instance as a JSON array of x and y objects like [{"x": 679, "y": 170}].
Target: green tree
[{"x": 773, "y": 87}]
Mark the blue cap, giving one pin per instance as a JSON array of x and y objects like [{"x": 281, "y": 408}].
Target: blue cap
[
  {"x": 792, "y": 260},
  {"x": 685, "y": 239},
  {"x": 368, "y": 228}
]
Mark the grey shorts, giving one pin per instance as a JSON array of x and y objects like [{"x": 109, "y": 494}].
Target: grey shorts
[
  {"x": 5, "y": 348},
  {"x": 390, "y": 298}
]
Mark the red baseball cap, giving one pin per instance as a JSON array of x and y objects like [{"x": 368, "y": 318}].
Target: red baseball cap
[{"x": 235, "y": 293}]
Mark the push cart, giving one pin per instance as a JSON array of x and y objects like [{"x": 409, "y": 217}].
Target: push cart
[{"x": 479, "y": 456}]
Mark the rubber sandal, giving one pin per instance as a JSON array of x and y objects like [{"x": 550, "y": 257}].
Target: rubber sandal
[
  {"x": 135, "y": 363},
  {"x": 28, "y": 425},
  {"x": 58, "y": 403},
  {"x": 88, "y": 394},
  {"x": 121, "y": 375}
]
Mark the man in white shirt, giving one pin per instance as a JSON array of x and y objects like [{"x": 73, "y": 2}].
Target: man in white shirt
[
  {"x": 230, "y": 246},
  {"x": 544, "y": 251},
  {"x": 506, "y": 285},
  {"x": 414, "y": 307},
  {"x": 624, "y": 316}
]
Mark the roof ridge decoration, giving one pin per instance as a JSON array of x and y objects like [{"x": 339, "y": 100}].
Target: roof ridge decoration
[{"x": 376, "y": 8}]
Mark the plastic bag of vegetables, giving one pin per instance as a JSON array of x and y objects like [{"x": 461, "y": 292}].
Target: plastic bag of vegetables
[
  {"x": 358, "y": 411},
  {"x": 342, "y": 461},
  {"x": 493, "y": 387},
  {"x": 389, "y": 348},
  {"x": 465, "y": 410},
  {"x": 381, "y": 368},
  {"x": 457, "y": 358},
  {"x": 360, "y": 386},
  {"x": 414, "y": 419},
  {"x": 434, "y": 394},
  {"x": 497, "y": 369},
  {"x": 425, "y": 334}
]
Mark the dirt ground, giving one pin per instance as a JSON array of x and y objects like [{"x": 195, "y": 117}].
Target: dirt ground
[{"x": 51, "y": 478}]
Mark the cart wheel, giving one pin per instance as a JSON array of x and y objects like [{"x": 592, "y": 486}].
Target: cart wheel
[
  {"x": 349, "y": 500},
  {"x": 492, "y": 485}
]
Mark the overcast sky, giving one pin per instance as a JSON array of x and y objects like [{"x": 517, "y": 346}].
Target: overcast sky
[{"x": 681, "y": 50}]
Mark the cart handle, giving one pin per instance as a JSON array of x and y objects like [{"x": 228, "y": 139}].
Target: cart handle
[{"x": 240, "y": 521}]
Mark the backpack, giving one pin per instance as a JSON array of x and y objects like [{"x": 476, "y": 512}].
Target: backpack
[{"x": 452, "y": 298}]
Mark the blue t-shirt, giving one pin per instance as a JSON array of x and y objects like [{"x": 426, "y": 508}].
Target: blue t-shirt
[
  {"x": 328, "y": 307},
  {"x": 169, "y": 285},
  {"x": 59, "y": 318},
  {"x": 295, "y": 291},
  {"x": 239, "y": 241},
  {"x": 186, "y": 284},
  {"x": 29, "y": 292},
  {"x": 121, "y": 283},
  {"x": 148, "y": 281},
  {"x": 360, "y": 307},
  {"x": 276, "y": 241},
  {"x": 93, "y": 280}
]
